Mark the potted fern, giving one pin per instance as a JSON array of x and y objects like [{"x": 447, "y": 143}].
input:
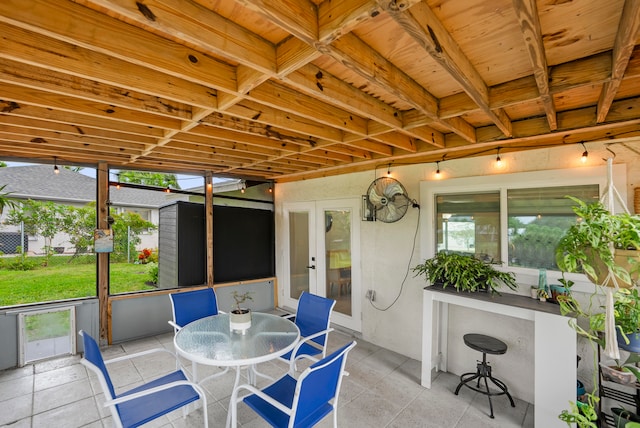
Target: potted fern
[
  {"x": 239, "y": 317},
  {"x": 464, "y": 273}
]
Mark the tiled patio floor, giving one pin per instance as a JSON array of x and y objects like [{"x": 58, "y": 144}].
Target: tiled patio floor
[{"x": 382, "y": 390}]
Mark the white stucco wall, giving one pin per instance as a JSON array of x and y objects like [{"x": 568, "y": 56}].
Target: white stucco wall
[{"x": 387, "y": 248}]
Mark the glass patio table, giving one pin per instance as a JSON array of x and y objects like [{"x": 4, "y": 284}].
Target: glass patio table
[{"x": 211, "y": 341}]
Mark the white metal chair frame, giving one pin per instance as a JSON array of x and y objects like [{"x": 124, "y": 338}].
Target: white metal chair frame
[{"x": 111, "y": 402}]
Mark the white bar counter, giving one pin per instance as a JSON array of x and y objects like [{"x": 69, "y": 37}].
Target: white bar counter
[{"x": 555, "y": 376}]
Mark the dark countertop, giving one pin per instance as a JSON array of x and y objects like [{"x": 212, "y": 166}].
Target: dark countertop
[{"x": 508, "y": 299}]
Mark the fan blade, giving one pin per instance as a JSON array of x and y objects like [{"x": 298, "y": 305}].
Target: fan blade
[
  {"x": 375, "y": 198},
  {"x": 393, "y": 189}
]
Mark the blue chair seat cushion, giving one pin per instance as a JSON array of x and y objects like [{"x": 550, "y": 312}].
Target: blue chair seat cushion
[
  {"x": 144, "y": 409},
  {"x": 283, "y": 391}
]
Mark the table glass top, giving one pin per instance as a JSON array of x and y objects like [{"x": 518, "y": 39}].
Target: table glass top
[{"x": 210, "y": 340}]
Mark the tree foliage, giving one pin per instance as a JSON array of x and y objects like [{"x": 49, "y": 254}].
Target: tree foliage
[
  {"x": 149, "y": 178},
  {"x": 39, "y": 218},
  {"x": 48, "y": 218},
  {"x": 5, "y": 200}
]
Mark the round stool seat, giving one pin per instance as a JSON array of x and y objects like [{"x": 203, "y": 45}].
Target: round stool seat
[{"x": 485, "y": 344}]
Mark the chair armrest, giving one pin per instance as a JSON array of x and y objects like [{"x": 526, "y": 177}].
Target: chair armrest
[
  {"x": 292, "y": 362},
  {"x": 318, "y": 334},
  {"x": 289, "y": 316},
  {"x": 278, "y": 405},
  {"x": 140, "y": 354},
  {"x": 149, "y": 391},
  {"x": 174, "y": 325}
]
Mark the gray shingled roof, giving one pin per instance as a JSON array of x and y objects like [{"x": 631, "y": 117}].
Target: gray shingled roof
[{"x": 39, "y": 182}]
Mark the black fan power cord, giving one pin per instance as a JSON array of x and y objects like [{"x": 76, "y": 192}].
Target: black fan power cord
[{"x": 414, "y": 204}]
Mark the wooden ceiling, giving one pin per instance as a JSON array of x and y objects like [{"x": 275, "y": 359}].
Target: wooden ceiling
[{"x": 287, "y": 90}]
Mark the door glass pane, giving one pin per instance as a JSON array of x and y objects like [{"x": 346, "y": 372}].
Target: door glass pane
[
  {"x": 298, "y": 253},
  {"x": 338, "y": 263}
]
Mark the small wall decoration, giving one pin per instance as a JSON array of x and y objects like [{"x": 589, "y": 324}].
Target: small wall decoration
[{"x": 103, "y": 241}]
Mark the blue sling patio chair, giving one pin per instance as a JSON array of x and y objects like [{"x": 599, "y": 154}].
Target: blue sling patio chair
[
  {"x": 302, "y": 402},
  {"x": 313, "y": 318},
  {"x": 146, "y": 402},
  {"x": 189, "y": 306}
]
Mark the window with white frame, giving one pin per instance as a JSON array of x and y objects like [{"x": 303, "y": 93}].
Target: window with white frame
[{"x": 515, "y": 218}]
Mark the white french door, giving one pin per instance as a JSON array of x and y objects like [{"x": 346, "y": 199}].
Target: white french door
[{"x": 322, "y": 255}]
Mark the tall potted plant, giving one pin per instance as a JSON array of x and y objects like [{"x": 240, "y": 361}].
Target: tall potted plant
[
  {"x": 239, "y": 317},
  {"x": 465, "y": 273},
  {"x": 602, "y": 242}
]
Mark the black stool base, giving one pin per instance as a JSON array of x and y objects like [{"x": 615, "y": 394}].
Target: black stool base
[{"x": 483, "y": 373}]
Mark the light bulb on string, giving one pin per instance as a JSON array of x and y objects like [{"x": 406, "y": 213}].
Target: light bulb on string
[
  {"x": 56, "y": 170},
  {"x": 498, "y": 160},
  {"x": 437, "y": 174},
  {"x": 389, "y": 170},
  {"x": 585, "y": 154}
]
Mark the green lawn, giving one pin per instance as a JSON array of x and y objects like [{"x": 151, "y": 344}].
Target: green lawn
[{"x": 67, "y": 281}]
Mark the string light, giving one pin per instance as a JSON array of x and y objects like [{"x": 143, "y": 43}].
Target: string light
[
  {"x": 270, "y": 188},
  {"x": 243, "y": 186},
  {"x": 585, "y": 154},
  {"x": 389, "y": 170},
  {"x": 498, "y": 160},
  {"x": 438, "y": 175},
  {"x": 167, "y": 190},
  {"x": 56, "y": 170}
]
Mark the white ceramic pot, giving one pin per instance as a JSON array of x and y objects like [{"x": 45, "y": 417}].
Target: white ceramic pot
[{"x": 240, "y": 319}]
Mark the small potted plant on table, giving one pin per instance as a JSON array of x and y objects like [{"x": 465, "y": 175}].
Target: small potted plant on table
[{"x": 239, "y": 317}]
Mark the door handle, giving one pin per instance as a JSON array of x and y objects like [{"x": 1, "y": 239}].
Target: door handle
[{"x": 311, "y": 267}]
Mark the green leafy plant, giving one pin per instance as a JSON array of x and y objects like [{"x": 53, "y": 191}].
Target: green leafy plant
[
  {"x": 5, "y": 200},
  {"x": 590, "y": 245},
  {"x": 584, "y": 415},
  {"x": 626, "y": 308},
  {"x": 465, "y": 273},
  {"x": 152, "y": 271}
]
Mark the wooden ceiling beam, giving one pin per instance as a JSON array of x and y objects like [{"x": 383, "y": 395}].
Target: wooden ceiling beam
[
  {"x": 80, "y": 155},
  {"x": 210, "y": 33},
  {"x": 527, "y": 14},
  {"x": 76, "y": 87},
  {"x": 626, "y": 37},
  {"x": 298, "y": 17},
  {"x": 83, "y": 124},
  {"x": 421, "y": 23},
  {"x": 357, "y": 56},
  {"x": 78, "y": 25},
  {"x": 42, "y": 51},
  {"x": 22, "y": 95},
  {"x": 61, "y": 144},
  {"x": 36, "y": 125}
]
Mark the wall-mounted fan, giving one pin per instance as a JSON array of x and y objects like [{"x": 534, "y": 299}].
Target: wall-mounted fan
[{"x": 388, "y": 199}]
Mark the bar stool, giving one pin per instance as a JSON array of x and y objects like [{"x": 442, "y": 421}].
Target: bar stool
[{"x": 486, "y": 345}]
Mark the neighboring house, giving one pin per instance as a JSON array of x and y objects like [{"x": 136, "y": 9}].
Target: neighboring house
[{"x": 39, "y": 182}]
